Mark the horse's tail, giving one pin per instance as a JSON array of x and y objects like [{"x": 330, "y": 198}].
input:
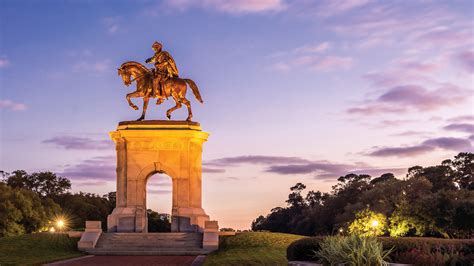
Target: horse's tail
[{"x": 195, "y": 89}]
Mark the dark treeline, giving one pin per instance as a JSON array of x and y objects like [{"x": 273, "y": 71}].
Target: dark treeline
[
  {"x": 430, "y": 201},
  {"x": 32, "y": 202}
]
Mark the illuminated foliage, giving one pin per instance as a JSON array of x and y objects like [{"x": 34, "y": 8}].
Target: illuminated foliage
[{"x": 368, "y": 223}]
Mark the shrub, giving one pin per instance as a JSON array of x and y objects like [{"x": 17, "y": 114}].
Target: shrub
[
  {"x": 415, "y": 250},
  {"x": 352, "y": 250},
  {"x": 303, "y": 249},
  {"x": 430, "y": 251}
]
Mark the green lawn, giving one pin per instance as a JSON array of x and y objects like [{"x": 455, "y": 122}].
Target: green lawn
[
  {"x": 35, "y": 249},
  {"x": 255, "y": 248}
]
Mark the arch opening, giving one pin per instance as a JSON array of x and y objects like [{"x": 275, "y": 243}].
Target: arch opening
[{"x": 159, "y": 202}]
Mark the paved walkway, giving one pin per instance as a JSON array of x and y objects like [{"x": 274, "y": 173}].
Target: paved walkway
[{"x": 133, "y": 260}]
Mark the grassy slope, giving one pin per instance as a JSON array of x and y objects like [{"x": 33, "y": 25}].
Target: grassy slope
[
  {"x": 35, "y": 249},
  {"x": 256, "y": 248}
]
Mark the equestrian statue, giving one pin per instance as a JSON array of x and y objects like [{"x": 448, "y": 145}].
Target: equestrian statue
[{"x": 161, "y": 82}]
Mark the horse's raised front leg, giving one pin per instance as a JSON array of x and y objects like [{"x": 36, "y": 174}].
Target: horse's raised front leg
[
  {"x": 133, "y": 95},
  {"x": 177, "y": 106},
  {"x": 145, "y": 106},
  {"x": 188, "y": 105}
]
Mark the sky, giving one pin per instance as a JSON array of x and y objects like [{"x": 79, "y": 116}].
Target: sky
[{"x": 294, "y": 91}]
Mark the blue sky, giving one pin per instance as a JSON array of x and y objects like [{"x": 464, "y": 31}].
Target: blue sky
[{"x": 294, "y": 91}]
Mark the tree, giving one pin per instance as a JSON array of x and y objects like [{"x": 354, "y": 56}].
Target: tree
[
  {"x": 368, "y": 223},
  {"x": 403, "y": 221},
  {"x": 45, "y": 184},
  {"x": 258, "y": 223},
  {"x": 23, "y": 211},
  {"x": 383, "y": 178},
  {"x": 295, "y": 200},
  {"x": 158, "y": 222},
  {"x": 86, "y": 206},
  {"x": 463, "y": 165},
  {"x": 314, "y": 199},
  {"x": 431, "y": 201}
]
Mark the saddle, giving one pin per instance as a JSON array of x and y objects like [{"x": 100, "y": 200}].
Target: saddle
[{"x": 163, "y": 78}]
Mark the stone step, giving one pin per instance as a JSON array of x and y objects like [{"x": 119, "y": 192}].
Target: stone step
[
  {"x": 151, "y": 236},
  {"x": 149, "y": 244},
  {"x": 150, "y": 240},
  {"x": 147, "y": 252},
  {"x": 107, "y": 245}
]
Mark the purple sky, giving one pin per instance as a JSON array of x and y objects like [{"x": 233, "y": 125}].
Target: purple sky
[{"x": 294, "y": 91}]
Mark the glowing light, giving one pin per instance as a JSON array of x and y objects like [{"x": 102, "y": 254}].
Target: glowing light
[
  {"x": 60, "y": 223},
  {"x": 341, "y": 230},
  {"x": 52, "y": 230},
  {"x": 375, "y": 223}
]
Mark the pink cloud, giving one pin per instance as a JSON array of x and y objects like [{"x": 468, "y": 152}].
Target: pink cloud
[
  {"x": 336, "y": 7},
  {"x": 422, "y": 99},
  {"x": 401, "y": 151},
  {"x": 98, "y": 66},
  {"x": 4, "y": 62},
  {"x": 231, "y": 6},
  {"x": 466, "y": 59},
  {"x": 78, "y": 143},
  {"x": 462, "y": 127},
  {"x": 283, "y": 165},
  {"x": 209, "y": 170},
  {"x": 446, "y": 143},
  {"x": 14, "y": 106},
  {"x": 314, "y": 63},
  {"x": 332, "y": 63},
  {"x": 411, "y": 133},
  {"x": 111, "y": 23},
  {"x": 313, "y": 48},
  {"x": 395, "y": 77},
  {"x": 374, "y": 109},
  {"x": 401, "y": 25},
  {"x": 422, "y": 67},
  {"x": 412, "y": 97},
  {"x": 447, "y": 36},
  {"x": 159, "y": 191},
  {"x": 462, "y": 118},
  {"x": 97, "y": 168}
]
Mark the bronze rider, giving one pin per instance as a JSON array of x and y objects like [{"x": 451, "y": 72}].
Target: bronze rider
[{"x": 165, "y": 68}]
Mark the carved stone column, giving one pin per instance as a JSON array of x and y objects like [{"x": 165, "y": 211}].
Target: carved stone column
[{"x": 148, "y": 147}]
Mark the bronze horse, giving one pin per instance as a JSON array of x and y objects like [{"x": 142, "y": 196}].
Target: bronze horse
[{"x": 174, "y": 87}]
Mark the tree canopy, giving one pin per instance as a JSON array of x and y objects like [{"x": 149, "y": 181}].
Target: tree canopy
[{"x": 429, "y": 201}]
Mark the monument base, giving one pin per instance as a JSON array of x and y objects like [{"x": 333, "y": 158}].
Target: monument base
[{"x": 134, "y": 219}]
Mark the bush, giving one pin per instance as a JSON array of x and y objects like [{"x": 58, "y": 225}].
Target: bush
[
  {"x": 352, "y": 250},
  {"x": 303, "y": 249},
  {"x": 417, "y": 250},
  {"x": 430, "y": 251}
]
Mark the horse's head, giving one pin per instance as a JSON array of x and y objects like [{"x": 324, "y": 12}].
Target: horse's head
[{"x": 126, "y": 75}]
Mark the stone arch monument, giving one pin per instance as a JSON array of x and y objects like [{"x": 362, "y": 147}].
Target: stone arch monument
[{"x": 148, "y": 147}]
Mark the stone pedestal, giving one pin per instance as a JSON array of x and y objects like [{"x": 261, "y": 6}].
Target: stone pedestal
[{"x": 148, "y": 147}]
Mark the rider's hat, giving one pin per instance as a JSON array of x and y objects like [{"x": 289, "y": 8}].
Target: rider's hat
[{"x": 157, "y": 45}]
